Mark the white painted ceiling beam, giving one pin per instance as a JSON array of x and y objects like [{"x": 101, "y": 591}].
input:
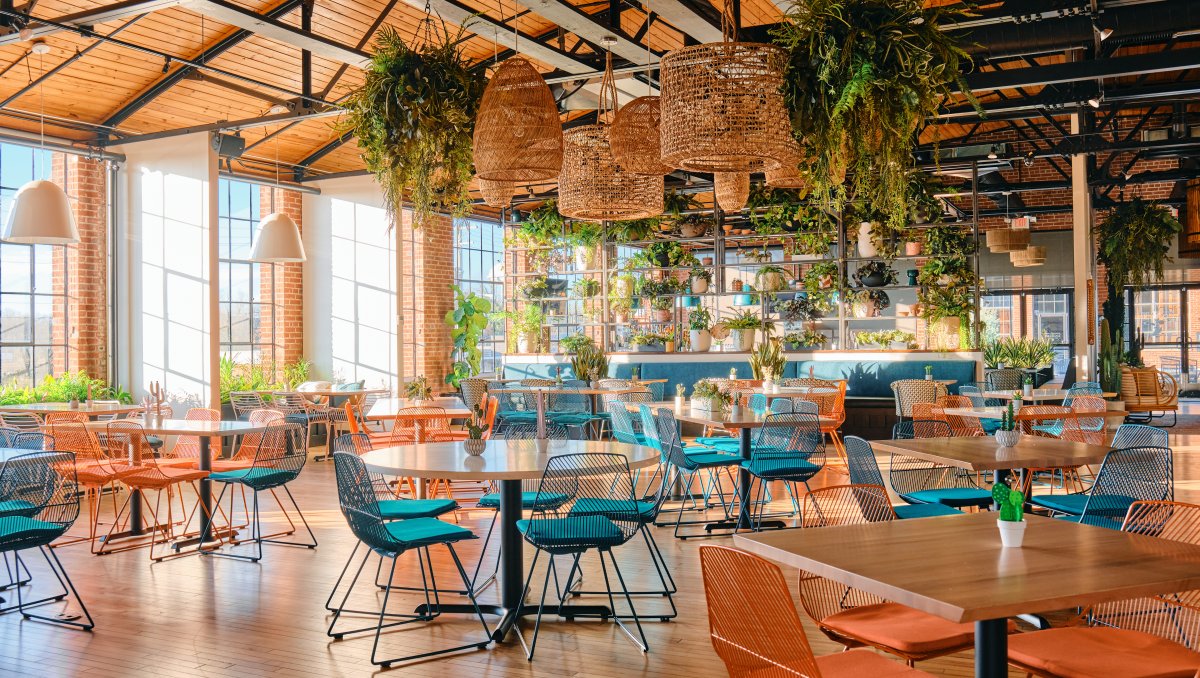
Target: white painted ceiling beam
[
  {"x": 229, "y": 13},
  {"x": 682, "y": 17},
  {"x": 91, "y": 17}
]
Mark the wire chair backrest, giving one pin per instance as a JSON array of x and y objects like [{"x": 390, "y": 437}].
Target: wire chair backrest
[
  {"x": 32, "y": 440},
  {"x": 528, "y": 431},
  {"x": 25, "y": 421},
  {"x": 861, "y": 462},
  {"x": 246, "y": 402},
  {"x": 125, "y": 438},
  {"x": 514, "y": 401},
  {"x": 359, "y": 503},
  {"x": 642, "y": 396},
  {"x": 570, "y": 488},
  {"x": 248, "y": 448},
  {"x": 1091, "y": 429},
  {"x": 614, "y": 383},
  {"x": 669, "y": 439},
  {"x": 1052, "y": 421},
  {"x": 45, "y": 480},
  {"x": 789, "y": 434},
  {"x": 1173, "y": 616},
  {"x": 7, "y": 435},
  {"x": 822, "y": 403},
  {"x": 474, "y": 390},
  {"x": 1127, "y": 475},
  {"x": 1082, "y": 388},
  {"x": 781, "y": 406},
  {"x": 752, "y": 618},
  {"x": 281, "y": 451},
  {"x": 163, "y": 410},
  {"x": 846, "y": 505},
  {"x": 1140, "y": 435},
  {"x": 976, "y": 395},
  {"x": 657, "y": 389},
  {"x": 622, "y": 423},
  {"x": 412, "y": 422},
  {"x": 74, "y": 437},
  {"x": 909, "y": 391},
  {"x": 289, "y": 402},
  {"x": 67, "y": 418},
  {"x": 821, "y": 597},
  {"x": 189, "y": 446},
  {"x": 1005, "y": 379},
  {"x": 908, "y": 474},
  {"x": 921, "y": 428},
  {"x": 352, "y": 443},
  {"x": 805, "y": 406},
  {"x": 959, "y": 425},
  {"x": 757, "y": 402},
  {"x": 561, "y": 401}
]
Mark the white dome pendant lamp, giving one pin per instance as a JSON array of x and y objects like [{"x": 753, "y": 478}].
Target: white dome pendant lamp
[
  {"x": 41, "y": 212},
  {"x": 278, "y": 239}
]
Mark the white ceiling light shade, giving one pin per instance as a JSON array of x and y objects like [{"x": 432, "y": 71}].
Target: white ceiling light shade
[
  {"x": 278, "y": 240},
  {"x": 41, "y": 215}
]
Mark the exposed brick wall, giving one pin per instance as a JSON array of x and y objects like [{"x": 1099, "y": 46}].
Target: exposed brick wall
[
  {"x": 286, "y": 314},
  {"x": 427, "y": 257},
  {"x": 82, "y": 321}
]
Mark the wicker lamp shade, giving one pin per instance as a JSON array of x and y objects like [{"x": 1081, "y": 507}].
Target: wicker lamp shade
[
  {"x": 722, "y": 110},
  {"x": 1002, "y": 240},
  {"x": 518, "y": 135},
  {"x": 593, "y": 186},
  {"x": 497, "y": 193},
  {"x": 731, "y": 189},
  {"x": 635, "y": 137},
  {"x": 1034, "y": 255}
]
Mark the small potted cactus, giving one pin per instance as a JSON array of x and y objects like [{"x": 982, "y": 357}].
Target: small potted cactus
[
  {"x": 475, "y": 443},
  {"x": 1008, "y": 434},
  {"x": 1012, "y": 515},
  {"x": 1027, "y": 386},
  {"x": 929, "y": 373}
]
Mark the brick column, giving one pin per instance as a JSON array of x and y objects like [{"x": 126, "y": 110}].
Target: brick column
[
  {"x": 427, "y": 257},
  {"x": 284, "y": 312},
  {"x": 81, "y": 317}
]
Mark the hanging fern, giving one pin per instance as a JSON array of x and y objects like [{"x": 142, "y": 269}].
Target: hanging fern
[
  {"x": 862, "y": 78},
  {"x": 413, "y": 117}
]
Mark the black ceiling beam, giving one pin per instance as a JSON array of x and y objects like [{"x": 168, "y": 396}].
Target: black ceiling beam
[
  {"x": 1116, "y": 67},
  {"x": 175, "y": 77},
  {"x": 321, "y": 152},
  {"x": 1056, "y": 97}
]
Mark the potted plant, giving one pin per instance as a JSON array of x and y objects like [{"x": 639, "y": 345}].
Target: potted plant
[
  {"x": 699, "y": 324},
  {"x": 636, "y": 230},
  {"x": 741, "y": 329},
  {"x": 586, "y": 288},
  {"x": 767, "y": 360},
  {"x": 475, "y": 444},
  {"x": 620, "y": 295},
  {"x": 418, "y": 391},
  {"x": 875, "y": 273},
  {"x": 822, "y": 276},
  {"x": 867, "y": 303},
  {"x": 584, "y": 237},
  {"x": 701, "y": 278},
  {"x": 708, "y": 397},
  {"x": 467, "y": 320},
  {"x": 796, "y": 341},
  {"x": 929, "y": 373},
  {"x": 800, "y": 309},
  {"x": 912, "y": 243},
  {"x": 647, "y": 342},
  {"x": 771, "y": 279},
  {"x": 527, "y": 325},
  {"x": 572, "y": 343},
  {"x": 1027, "y": 386},
  {"x": 668, "y": 337},
  {"x": 590, "y": 363},
  {"x": 1011, "y": 520},
  {"x": 535, "y": 287},
  {"x": 693, "y": 225},
  {"x": 1008, "y": 434}
]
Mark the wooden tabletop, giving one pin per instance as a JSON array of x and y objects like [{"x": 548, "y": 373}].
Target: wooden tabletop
[
  {"x": 185, "y": 427},
  {"x": 333, "y": 393},
  {"x": 954, "y": 566},
  {"x": 584, "y": 390},
  {"x": 501, "y": 459},
  {"x": 985, "y": 454},
  {"x": 93, "y": 408},
  {"x": 997, "y": 412},
  {"x": 723, "y": 419},
  {"x": 389, "y": 408},
  {"x": 789, "y": 390},
  {"x": 1038, "y": 394}
]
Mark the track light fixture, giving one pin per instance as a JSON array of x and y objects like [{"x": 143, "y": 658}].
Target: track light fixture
[{"x": 166, "y": 65}]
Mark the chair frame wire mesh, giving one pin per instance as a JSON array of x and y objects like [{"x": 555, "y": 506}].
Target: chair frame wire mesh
[{"x": 908, "y": 475}]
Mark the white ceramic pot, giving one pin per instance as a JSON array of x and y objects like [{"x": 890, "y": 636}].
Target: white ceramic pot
[
  {"x": 866, "y": 248},
  {"x": 1012, "y": 533},
  {"x": 474, "y": 447},
  {"x": 701, "y": 340},
  {"x": 1027, "y": 390},
  {"x": 742, "y": 340},
  {"x": 527, "y": 342},
  {"x": 585, "y": 258},
  {"x": 699, "y": 285},
  {"x": 1008, "y": 438}
]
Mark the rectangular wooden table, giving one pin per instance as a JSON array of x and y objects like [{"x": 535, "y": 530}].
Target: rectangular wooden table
[
  {"x": 955, "y": 568},
  {"x": 996, "y": 412},
  {"x": 983, "y": 453},
  {"x": 1039, "y": 394},
  {"x": 92, "y": 409}
]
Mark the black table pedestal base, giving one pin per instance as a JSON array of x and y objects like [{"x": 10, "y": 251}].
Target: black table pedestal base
[{"x": 991, "y": 648}]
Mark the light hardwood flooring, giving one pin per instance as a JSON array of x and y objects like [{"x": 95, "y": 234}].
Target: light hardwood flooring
[{"x": 216, "y": 617}]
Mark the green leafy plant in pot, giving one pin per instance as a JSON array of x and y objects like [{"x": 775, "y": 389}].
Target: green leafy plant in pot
[
  {"x": 796, "y": 341},
  {"x": 527, "y": 327},
  {"x": 467, "y": 320},
  {"x": 418, "y": 390},
  {"x": 590, "y": 363},
  {"x": 875, "y": 274},
  {"x": 699, "y": 326},
  {"x": 741, "y": 329}
]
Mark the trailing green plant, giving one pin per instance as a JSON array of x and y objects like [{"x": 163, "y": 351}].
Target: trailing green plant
[
  {"x": 676, "y": 203},
  {"x": 632, "y": 231},
  {"x": 467, "y": 321},
  {"x": 649, "y": 288},
  {"x": 805, "y": 339},
  {"x": 949, "y": 240},
  {"x": 799, "y": 309},
  {"x": 701, "y": 273},
  {"x": 771, "y": 278},
  {"x": 621, "y": 302},
  {"x": 744, "y": 320},
  {"x": 414, "y": 116},
  {"x": 866, "y": 295},
  {"x": 573, "y": 343},
  {"x": 650, "y": 338},
  {"x": 774, "y": 210},
  {"x": 544, "y": 226},
  {"x": 528, "y": 319},
  {"x": 827, "y": 270},
  {"x": 584, "y": 234},
  {"x": 863, "y": 78},
  {"x": 767, "y": 358},
  {"x": 923, "y": 205},
  {"x": 1134, "y": 241},
  {"x": 585, "y": 288},
  {"x": 590, "y": 363},
  {"x": 663, "y": 254},
  {"x": 534, "y": 287},
  {"x": 885, "y": 338},
  {"x": 875, "y": 267},
  {"x": 699, "y": 319},
  {"x": 296, "y": 373},
  {"x": 418, "y": 389},
  {"x": 1010, "y": 501}
]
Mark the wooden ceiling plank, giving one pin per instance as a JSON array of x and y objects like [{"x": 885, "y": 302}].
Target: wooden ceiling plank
[
  {"x": 91, "y": 17},
  {"x": 278, "y": 31},
  {"x": 685, "y": 19}
]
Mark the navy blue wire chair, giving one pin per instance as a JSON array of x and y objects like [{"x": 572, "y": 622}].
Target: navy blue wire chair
[
  {"x": 278, "y": 460},
  {"x": 40, "y": 502},
  {"x": 682, "y": 468},
  {"x": 918, "y": 481},
  {"x": 864, "y": 470},
  {"x": 789, "y": 447},
  {"x": 599, "y": 513},
  {"x": 391, "y": 539},
  {"x": 1127, "y": 475}
]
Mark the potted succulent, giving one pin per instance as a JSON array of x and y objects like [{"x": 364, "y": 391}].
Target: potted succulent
[
  {"x": 701, "y": 278},
  {"x": 708, "y": 397},
  {"x": 418, "y": 391},
  {"x": 648, "y": 342},
  {"x": 620, "y": 295},
  {"x": 741, "y": 329},
  {"x": 475, "y": 444},
  {"x": 590, "y": 363},
  {"x": 797, "y": 341},
  {"x": 866, "y": 303},
  {"x": 1011, "y": 520},
  {"x": 1009, "y": 434},
  {"x": 1027, "y": 386},
  {"x": 875, "y": 273},
  {"x": 572, "y": 343},
  {"x": 699, "y": 324}
]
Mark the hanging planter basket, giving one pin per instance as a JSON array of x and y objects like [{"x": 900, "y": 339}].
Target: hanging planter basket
[
  {"x": 635, "y": 137},
  {"x": 518, "y": 134},
  {"x": 722, "y": 110},
  {"x": 732, "y": 189},
  {"x": 497, "y": 193}
]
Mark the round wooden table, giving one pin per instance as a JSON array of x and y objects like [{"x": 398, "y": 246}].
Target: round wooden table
[{"x": 507, "y": 462}]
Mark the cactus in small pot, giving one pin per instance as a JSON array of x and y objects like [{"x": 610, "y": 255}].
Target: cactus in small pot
[{"x": 1012, "y": 514}]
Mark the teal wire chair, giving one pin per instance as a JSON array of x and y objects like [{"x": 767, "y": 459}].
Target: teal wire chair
[
  {"x": 1127, "y": 475},
  {"x": 789, "y": 448},
  {"x": 18, "y": 439},
  {"x": 571, "y": 409},
  {"x": 599, "y": 513},
  {"x": 682, "y": 468},
  {"x": 391, "y": 539},
  {"x": 41, "y": 496},
  {"x": 864, "y": 470},
  {"x": 389, "y": 505},
  {"x": 512, "y": 407},
  {"x": 278, "y": 461},
  {"x": 776, "y": 406},
  {"x": 918, "y": 481}
]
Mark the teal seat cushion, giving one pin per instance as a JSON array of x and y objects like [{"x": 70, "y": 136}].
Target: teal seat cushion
[
  {"x": 924, "y": 510},
  {"x": 1072, "y": 504},
  {"x": 715, "y": 440},
  {"x": 622, "y": 508},
  {"x": 1110, "y": 522},
  {"x": 517, "y": 415},
  {"x": 569, "y": 418},
  {"x": 571, "y": 532},
  {"x": 950, "y": 496},
  {"x": 423, "y": 531},
  {"x": 713, "y": 459},
  {"x": 16, "y": 507},
  {"x": 255, "y": 477},
  {"x": 529, "y": 500},
  {"x": 24, "y": 529},
  {"x": 990, "y": 426},
  {"x": 405, "y": 509},
  {"x": 784, "y": 467}
]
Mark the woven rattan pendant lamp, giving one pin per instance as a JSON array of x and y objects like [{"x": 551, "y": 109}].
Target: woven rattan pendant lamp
[
  {"x": 634, "y": 134},
  {"x": 722, "y": 110},
  {"x": 592, "y": 184},
  {"x": 518, "y": 135},
  {"x": 732, "y": 190},
  {"x": 788, "y": 174},
  {"x": 497, "y": 193}
]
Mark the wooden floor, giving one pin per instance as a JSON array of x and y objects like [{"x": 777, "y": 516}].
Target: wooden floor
[{"x": 217, "y": 617}]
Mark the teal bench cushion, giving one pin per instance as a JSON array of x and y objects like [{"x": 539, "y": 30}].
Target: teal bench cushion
[
  {"x": 529, "y": 500},
  {"x": 16, "y": 507},
  {"x": 255, "y": 477},
  {"x": 405, "y": 509},
  {"x": 422, "y": 531},
  {"x": 924, "y": 510},
  {"x": 577, "y": 531},
  {"x": 950, "y": 496}
]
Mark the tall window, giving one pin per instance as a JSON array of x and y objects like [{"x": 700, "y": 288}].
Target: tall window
[
  {"x": 479, "y": 268},
  {"x": 245, "y": 287},
  {"x": 1157, "y": 314},
  {"x": 33, "y": 282}
]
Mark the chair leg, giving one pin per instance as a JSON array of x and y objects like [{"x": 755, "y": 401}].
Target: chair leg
[
  {"x": 643, "y": 645},
  {"x": 65, "y": 579},
  {"x": 332, "y": 592}
]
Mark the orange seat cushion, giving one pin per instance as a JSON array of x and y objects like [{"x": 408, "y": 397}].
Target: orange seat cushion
[
  {"x": 1086, "y": 652},
  {"x": 163, "y": 476},
  {"x": 902, "y": 628},
  {"x": 864, "y": 664}
]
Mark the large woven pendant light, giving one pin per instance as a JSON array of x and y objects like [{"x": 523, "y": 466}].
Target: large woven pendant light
[
  {"x": 518, "y": 135},
  {"x": 788, "y": 174},
  {"x": 497, "y": 193},
  {"x": 1034, "y": 255},
  {"x": 732, "y": 190},
  {"x": 634, "y": 133},
  {"x": 593, "y": 185},
  {"x": 722, "y": 110}
]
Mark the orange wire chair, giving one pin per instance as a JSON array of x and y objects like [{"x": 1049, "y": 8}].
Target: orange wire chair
[
  {"x": 755, "y": 630},
  {"x": 961, "y": 426},
  {"x": 67, "y": 418},
  {"x": 1041, "y": 420},
  {"x": 187, "y": 448},
  {"x": 95, "y": 471},
  {"x": 831, "y": 405},
  {"x": 22, "y": 421},
  {"x": 847, "y": 505},
  {"x": 928, "y": 412}
]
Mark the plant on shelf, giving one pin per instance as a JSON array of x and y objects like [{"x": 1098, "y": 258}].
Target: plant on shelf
[
  {"x": 885, "y": 338},
  {"x": 77, "y": 385},
  {"x": 865, "y": 302},
  {"x": 534, "y": 287},
  {"x": 811, "y": 243},
  {"x": 543, "y": 227},
  {"x": 806, "y": 339},
  {"x": 875, "y": 273},
  {"x": 774, "y": 210},
  {"x": 650, "y": 341},
  {"x": 572, "y": 343},
  {"x": 742, "y": 327},
  {"x": 418, "y": 389},
  {"x": 1135, "y": 239},
  {"x": 636, "y": 230},
  {"x": 659, "y": 293},
  {"x": 586, "y": 288},
  {"x": 700, "y": 278},
  {"x": 467, "y": 320},
  {"x": 590, "y": 363},
  {"x": 924, "y": 207},
  {"x": 801, "y": 309},
  {"x": 527, "y": 327},
  {"x": 699, "y": 326},
  {"x": 663, "y": 254},
  {"x": 862, "y": 80},
  {"x": 767, "y": 358},
  {"x": 770, "y": 279},
  {"x": 621, "y": 290},
  {"x": 759, "y": 256},
  {"x": 584, "y": 237},
  {"x": 413, "y": 117}
]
